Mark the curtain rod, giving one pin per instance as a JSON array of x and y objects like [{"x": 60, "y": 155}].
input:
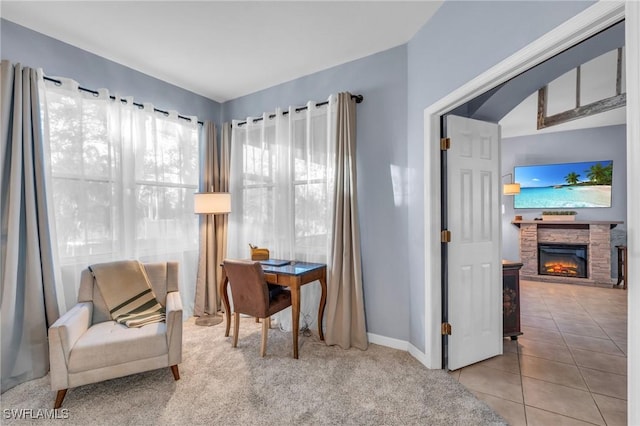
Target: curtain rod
[
  {"x": 96, "y": 93},
  {"x": 358, "y": 99}
]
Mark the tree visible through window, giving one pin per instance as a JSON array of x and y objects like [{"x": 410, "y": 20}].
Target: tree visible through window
[
  {"x": 121, "y": 182},
  {"x": 282, "y": 184}
]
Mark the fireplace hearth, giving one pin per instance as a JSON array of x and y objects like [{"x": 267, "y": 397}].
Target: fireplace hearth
[{"x": 563, "y": 260}]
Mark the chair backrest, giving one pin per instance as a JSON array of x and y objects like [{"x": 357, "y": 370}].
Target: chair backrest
[
  {"x": 248, "y": 287},
  {"x": 163, "y": 277}
]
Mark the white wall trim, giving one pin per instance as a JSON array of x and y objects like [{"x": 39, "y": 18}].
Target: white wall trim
[
  {"x": 389, "y": 342},
  {"x": 632, "y": 52},
  {"x": 402, "y": 345},
  {"x": 587, "y": 23},
  {"x": 418, "y": 354}
]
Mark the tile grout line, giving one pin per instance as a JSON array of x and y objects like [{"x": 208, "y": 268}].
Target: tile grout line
[
  {"x": 598, "y": 324},
  {"x": 576, "y": 364},
  {"x": 553, "y": 318},
  {"x": 586, "y": 308},
  {"x": 524, "y": 402},
  {"x": 571, "y": 297},
  {"x": 562, "y": 415}
]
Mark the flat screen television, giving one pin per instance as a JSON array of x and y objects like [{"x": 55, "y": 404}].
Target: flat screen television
[{"x": 566, "y": 185}]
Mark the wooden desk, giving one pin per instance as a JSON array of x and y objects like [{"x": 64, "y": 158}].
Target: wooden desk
[{"x": 293, "y": 276}]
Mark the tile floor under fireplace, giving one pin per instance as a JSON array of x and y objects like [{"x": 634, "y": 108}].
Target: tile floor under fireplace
[{"x": 570, "y": 365}]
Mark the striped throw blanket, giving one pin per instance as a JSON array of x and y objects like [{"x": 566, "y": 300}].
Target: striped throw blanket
[{"x": 126, "y": 290}]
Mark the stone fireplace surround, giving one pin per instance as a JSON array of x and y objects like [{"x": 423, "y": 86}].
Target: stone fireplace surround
[{"x": 595, "y": 234}]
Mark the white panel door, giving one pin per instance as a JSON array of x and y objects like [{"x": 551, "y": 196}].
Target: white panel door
[{"x": 474, "y": 253}]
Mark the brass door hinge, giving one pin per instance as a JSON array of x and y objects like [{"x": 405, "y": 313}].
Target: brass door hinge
[
  {"x": 446, "y": 329},
  {"x": 445, "y": 236},
  {"x": 445, "y": 144}
]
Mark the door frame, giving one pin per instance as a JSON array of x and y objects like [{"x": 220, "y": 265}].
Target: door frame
[{"x": 587, "y": 23}]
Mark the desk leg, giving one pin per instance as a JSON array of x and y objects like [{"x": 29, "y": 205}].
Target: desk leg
[
  {"x": 323, "y": 302},
  {"x": 295, "y": 314},
  {"x": 224, "y": 283}
]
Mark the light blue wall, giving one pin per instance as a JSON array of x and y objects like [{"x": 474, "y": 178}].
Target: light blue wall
[
  {"x": 462, "y": 40},
  {"x": 436, "y": 61},
  {"x": 381, "y": 136},
  {"x": 599, "y": 143},
  {"x": 20, "y": 44}
]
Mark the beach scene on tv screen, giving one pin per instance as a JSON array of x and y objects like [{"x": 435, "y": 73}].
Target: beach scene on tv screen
[{"x": 566, "y": 185}]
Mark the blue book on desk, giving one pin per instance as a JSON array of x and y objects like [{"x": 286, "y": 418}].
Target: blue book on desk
[{"x": 274, "y": 262}]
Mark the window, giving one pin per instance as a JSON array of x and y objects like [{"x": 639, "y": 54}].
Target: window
[
  {"x": 121, "y": 182},
  {"x": 282, "y": 181}
]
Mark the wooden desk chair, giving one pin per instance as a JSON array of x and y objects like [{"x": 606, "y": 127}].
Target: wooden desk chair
[{"x": 252, "y": 296}]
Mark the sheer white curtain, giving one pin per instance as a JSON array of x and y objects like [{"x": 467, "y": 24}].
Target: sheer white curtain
[
  {"x": 122, "y": 180},
  {"x": 282, "y": 185}
]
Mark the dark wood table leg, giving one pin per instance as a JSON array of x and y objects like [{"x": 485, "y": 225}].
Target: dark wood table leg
[
  {"x": 295, "y": 314},
  {"x": 323, "y": 302}
]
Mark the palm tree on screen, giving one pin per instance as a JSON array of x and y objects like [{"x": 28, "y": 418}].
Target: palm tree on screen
[
  {"x": 599, "y": 174},
  {"x": 572, "y": 178}
]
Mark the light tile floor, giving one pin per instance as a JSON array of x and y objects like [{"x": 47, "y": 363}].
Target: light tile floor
[{"x": 570, "y": 365}]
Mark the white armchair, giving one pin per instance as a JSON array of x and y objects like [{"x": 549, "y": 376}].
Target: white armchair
[{"x": 86, "y": 346}]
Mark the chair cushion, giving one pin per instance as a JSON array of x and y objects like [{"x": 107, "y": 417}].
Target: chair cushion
[{"x": 109, "y": 344}]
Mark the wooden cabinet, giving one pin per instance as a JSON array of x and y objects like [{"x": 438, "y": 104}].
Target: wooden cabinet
[{"x": 511, "y": 299}]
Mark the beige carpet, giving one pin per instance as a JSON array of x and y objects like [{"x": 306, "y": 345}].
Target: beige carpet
[{"x": 220, "y": 385}]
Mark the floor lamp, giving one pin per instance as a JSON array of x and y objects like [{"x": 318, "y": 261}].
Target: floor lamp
[{"x": 211, "y": 203}]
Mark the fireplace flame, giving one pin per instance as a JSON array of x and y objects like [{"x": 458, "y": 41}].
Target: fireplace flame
[{"x": 561, "y": 268}]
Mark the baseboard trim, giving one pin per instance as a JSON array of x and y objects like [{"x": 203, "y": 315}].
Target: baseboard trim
[
  {"x": 402, "y": 345},
  {"x": 422, "y": 357},
  {"x": 389, "y": 342}
]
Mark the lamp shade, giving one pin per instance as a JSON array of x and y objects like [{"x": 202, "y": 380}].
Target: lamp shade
[
  {"x": 211, "y": 202},
  {"x": 511, "y": 188}
]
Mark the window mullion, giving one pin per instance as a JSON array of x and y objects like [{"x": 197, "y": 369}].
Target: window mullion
[{"x": 127, "y": 187}]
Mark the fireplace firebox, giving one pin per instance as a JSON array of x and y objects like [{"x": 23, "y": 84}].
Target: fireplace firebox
[{"x": 564, "y": 260}]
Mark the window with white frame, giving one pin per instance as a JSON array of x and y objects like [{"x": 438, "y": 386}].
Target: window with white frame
[
  {"x": 282, "y": 181},
  {"x": 120, "y": 182}
]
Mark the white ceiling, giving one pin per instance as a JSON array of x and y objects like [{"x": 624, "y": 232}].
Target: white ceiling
[{"x": 225, "y": 49}]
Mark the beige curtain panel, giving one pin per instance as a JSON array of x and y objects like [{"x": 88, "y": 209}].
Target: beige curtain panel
[
  {"x": 207, "y": 300},
  {"x": 345, "y": 323},
  {"x": 213, "y": 228},
  {"x": 222, "y": 180},
  {"x": 28, "y": 299}
]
